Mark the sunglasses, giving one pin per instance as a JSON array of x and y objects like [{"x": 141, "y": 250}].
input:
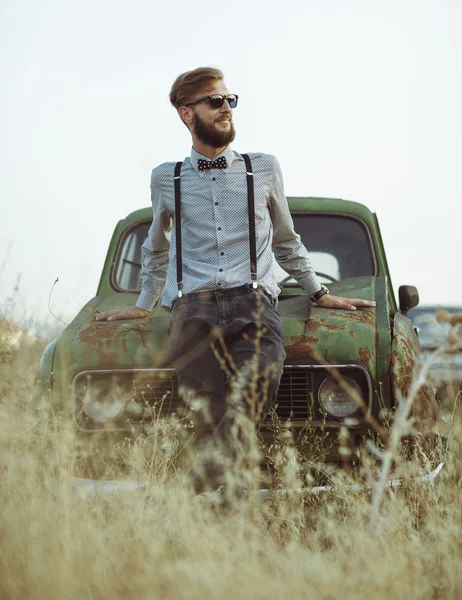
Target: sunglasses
[{"x": 217, "y": 100}]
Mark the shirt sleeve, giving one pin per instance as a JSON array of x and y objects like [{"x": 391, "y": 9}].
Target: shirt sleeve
[
  {"x": 289, "y": 251},
  {"x": 155, "y": 249}
]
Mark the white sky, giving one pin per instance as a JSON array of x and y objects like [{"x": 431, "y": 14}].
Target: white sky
[{"x": 358, "y": 99}]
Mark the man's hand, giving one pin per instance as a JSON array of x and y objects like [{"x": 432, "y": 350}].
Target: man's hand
[
  {"x": 132, "y": 312},
  {"x": 329, "y": 301}
]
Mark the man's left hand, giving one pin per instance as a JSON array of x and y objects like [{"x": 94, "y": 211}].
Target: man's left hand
[{"x": 329, "y": 301}]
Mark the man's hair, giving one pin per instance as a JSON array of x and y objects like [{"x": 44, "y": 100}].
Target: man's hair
[{"x": 188, "y": 84}]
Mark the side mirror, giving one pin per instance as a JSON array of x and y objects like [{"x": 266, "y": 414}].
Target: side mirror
[{"x": 408, "y": 298}]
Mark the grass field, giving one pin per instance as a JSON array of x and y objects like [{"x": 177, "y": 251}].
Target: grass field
[{"x": 59, "y": 542}]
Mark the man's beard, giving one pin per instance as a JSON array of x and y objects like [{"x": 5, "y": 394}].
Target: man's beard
[{"x": 211, "y": 136}]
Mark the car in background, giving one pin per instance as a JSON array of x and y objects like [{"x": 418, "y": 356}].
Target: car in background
[{"x": 446, "y": 371}]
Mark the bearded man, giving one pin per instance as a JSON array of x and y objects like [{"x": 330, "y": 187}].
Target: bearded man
[{"x": 231, "y": 220}]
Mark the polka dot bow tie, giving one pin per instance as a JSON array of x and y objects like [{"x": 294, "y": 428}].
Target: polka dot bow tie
[{"x": 219, "y": 163}]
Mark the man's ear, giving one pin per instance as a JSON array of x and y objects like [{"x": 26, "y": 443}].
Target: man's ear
[{"x": 186, "y": 115}]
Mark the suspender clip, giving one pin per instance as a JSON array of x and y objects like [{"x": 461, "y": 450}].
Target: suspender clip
[{"x": 254, "y": 284}]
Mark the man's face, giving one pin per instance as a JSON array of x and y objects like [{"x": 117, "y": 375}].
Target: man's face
[{"x": 213, "y": 126}]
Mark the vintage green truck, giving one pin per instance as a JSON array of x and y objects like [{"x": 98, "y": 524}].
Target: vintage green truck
[{"x": 117, "y": 376}]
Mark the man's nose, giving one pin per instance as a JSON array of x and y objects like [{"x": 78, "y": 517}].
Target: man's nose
[{"x": 226, "y": 108}]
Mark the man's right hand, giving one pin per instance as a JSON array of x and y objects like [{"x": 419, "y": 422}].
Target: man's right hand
[{"x": 132, "y": 312}]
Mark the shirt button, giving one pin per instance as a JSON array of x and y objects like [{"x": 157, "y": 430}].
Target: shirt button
[
  {"x": 219, "y": 229},
  {"x": 216, "y": 203},
  {"x": 214, "y": 178},
  {"x": 219, "y": 283},
  {"x": 222, "y": 253},
  {"x": 221, "y": 270}
]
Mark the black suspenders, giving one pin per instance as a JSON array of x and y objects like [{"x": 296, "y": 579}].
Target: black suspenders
[
  {"x": 251, "y": 199},
  {"x": 252, "y": 240},
  {"x": 179, "y": 261}
]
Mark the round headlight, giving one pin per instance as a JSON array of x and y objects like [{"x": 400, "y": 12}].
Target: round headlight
[
  {"x": 337, "y": 399},
  {"x": 103, "y": 401}
]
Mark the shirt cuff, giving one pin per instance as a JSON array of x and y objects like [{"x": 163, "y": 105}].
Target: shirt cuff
[
  {"x": 310, "y": 284},
  {"x": 147, "y": 300}
]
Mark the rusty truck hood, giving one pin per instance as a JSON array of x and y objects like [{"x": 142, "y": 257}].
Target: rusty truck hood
[
  {"x": 311, "y": 332},
  {"x": 90, "y": 344},
  {"x": 330, "y": 335}
]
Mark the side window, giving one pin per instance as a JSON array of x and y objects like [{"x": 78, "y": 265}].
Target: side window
[{"x": 128, "y": 269}]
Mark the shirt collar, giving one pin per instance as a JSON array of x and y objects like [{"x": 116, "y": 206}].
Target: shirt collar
[{"x": 227, "y": 153}]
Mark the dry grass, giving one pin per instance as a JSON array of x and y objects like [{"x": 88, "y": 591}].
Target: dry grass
[{"x": 59, "y": 542}]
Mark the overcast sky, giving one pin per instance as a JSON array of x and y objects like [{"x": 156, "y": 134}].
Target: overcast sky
[{"x": 358, "y": 99}]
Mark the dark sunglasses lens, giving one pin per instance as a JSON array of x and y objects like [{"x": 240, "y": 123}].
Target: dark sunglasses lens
[
  {"x": 216, "y": 101},
  {"x": 232, "y": 99}
]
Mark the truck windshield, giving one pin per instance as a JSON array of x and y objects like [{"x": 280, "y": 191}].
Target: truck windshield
[{"x": 339, "y": 247}]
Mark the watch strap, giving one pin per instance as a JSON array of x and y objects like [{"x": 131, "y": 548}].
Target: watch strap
[{"x": 315, "y": 297}]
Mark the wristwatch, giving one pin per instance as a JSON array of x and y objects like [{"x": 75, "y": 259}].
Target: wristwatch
[{"x": 315, "y": 297}]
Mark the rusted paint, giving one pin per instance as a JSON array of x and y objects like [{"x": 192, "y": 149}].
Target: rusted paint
[
  {"x": 107, "y": 358},
  {"x": 364, "y": 316},
  {"x": 303, "y": 339},
  {"x": 302, "y": 352},
  {"x": 314, "y": 325},
  {"x": 145, "y": 336},
  {"x": 365, "y": 356},
  {"x": 341, "y": 327},
  {"x": 332, "y": 327},
  {"x": 332, "y": 336},
  {"x": 111, "y": 339},
  {"x": 98, "y": 333}
]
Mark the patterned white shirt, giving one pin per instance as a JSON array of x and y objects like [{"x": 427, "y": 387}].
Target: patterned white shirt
[{"x": 215, "y": 230}]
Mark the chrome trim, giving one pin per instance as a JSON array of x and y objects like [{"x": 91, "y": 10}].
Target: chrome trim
[
  {"x": 105, "y": 487},
  {"x": 264, "y": 495}
]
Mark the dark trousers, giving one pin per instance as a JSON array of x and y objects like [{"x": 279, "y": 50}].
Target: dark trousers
[{"x": 228, "y": 350}]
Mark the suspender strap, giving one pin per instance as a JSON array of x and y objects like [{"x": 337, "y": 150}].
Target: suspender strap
[
  {"x": 253, "y": 244},
  {"x": 251, "y": 202},
  {"x": 179, "y": 261}
]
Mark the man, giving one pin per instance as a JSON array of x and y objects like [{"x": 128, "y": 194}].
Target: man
[{"x": 220, "y": 284}]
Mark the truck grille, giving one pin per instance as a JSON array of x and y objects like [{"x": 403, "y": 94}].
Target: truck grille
[
  {"x": 293, "y": 399},
  {"x": 295, "y": 394},
  {"x": 156, "y": 393}
]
